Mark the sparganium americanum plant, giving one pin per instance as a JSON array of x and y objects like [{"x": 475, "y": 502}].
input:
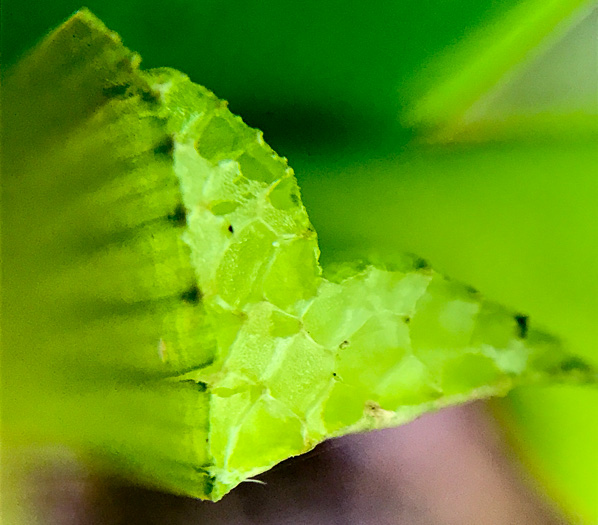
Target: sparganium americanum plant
[{"x": 173, "y": 316}]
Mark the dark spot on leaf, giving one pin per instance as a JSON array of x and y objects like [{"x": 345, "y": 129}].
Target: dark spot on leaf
[
  {"x": 231, "y": 229},
  {"x": 166, "y": 147},
  {"x": 521, "y": 326},
  {"x": 192, "y": 295},
  {"x": 333, "y": 374},
  {"x": 116, "y": 90},
  {"x": 210, "y": 481},
  {"x": 344, "y": 344},
  {"x": 150, "y": 96},
  {"x": 574, "y": 364},
  {"x": 471, "y": 290},
  {"x": 125, "y": 64},
  {"x": 407, "y": 319},
  {"x": 200, "y": 385},
  {"x": 179, "y": 216},
  {"x": 421, "y": 264}
]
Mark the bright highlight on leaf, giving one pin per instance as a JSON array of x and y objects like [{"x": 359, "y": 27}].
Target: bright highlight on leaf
[{"x": 161, "y": 254}]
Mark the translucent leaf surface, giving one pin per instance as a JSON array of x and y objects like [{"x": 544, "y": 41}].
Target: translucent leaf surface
[{"x": 156, "y": 242}]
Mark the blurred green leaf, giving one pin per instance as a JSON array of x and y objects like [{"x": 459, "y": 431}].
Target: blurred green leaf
[
  {"x": 554, "y": 431},
  {"x": 311, "y": 72}
]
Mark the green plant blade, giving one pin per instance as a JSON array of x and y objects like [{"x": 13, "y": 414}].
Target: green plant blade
[
  {"x": 478, "y": 62},
  {"x": 168, "y": 308}
]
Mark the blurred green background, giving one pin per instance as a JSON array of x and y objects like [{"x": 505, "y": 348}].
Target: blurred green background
[
  {"x": 298, "y": 68},
  {"x": 464, "y": 131}
]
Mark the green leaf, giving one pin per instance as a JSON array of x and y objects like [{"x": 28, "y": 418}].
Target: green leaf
[
  {"x": 555, "y": 438},
  {"x": 168, "y": 308}
]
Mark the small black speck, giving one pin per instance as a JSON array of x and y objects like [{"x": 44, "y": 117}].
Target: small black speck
[
  {"x": 179, "y": 216},
  {"x": 521, "y": 326},
  {"x": 344, "y": 344},
  {"x": 231, "y": 229},
  {"x": 166, "y": 147},
  {"x": 407, "y": 320},
  {"x": 192, "y": 295},
  {"x": 334, "y": 374}
]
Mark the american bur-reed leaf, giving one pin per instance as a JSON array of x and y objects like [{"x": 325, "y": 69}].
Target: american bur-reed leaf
[{"x": 167, "y": 308}]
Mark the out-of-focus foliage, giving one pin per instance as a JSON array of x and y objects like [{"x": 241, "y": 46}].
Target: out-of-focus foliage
[
  {"x": 325, "y": 56},
  {"x": 310, "y": 74}
]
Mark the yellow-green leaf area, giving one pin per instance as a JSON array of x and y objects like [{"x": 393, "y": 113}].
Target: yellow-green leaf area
[
  {"x": 302, "y": 374},
  {"x": 251, "y": 249},
  {"x": 373, "y": 351},
  {"x": 293, "y": 274},
  {"x": 282, "y": 438},
  {"x": 226, "y": 413},
  {"x": 447, "y": 307},
  {"x": 344, "y": 406},
  {"x": 336, "y": 312},
  {"x": 408, "y": 383},
  {"x": 254, "y": 347},
  {"x": 467, "y": 372},
  {"x": 283, "y": 325}
]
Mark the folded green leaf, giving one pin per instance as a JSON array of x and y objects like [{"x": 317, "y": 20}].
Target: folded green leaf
[{"x": 168, "y": 308}]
